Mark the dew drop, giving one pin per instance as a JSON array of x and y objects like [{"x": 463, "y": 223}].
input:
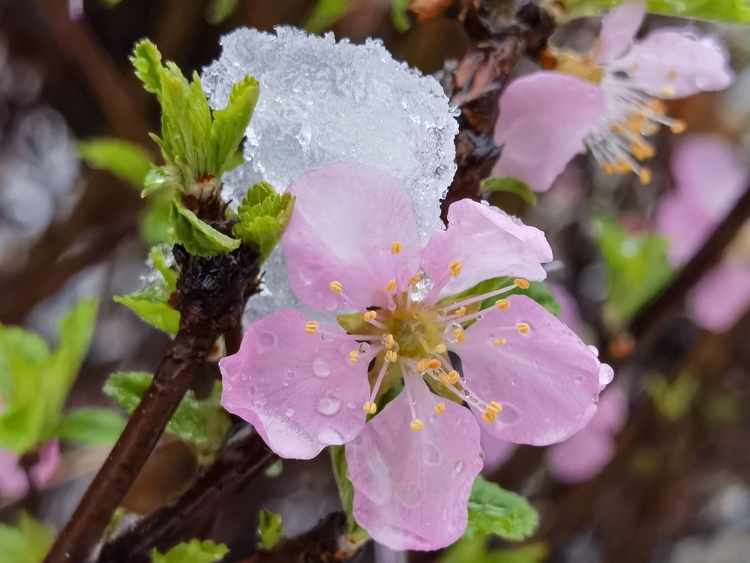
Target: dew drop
[
  {"x": 408, "y": 493},
  {"x": 289, "y": 412},
  {"x": 606, "y": 374},
  {"x": 364, "y": 347},
  {"x": 331, "y": 306},
  {"x": 459, "y": 467},
  {"x": 291, "y": 373},
  {"x": 578, "y": 379},
  {"x": 321, "y": 368},
  {"x": 260, "y": 401},
  {"x": 351, "y": 405},
  {"x": 330, "y": 437},
  {"x": 328, "y": 405},
  {"x": 594, "y": 350},
  {"x": 509, "y": 414},
  {"x": 431, "y": 455},
  {"x": 326, "y": 337},
  {"x": 266, "y": 340}
]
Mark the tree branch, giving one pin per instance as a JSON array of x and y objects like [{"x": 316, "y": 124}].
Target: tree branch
[{"x": 211, "y": 295}]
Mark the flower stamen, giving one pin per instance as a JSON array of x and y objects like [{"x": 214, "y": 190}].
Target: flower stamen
[
  {"x": 311, "y": 327},
  {"x": 396, "y": 248}
]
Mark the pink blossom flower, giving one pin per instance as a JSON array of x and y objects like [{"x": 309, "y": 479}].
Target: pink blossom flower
[
  {"x": 353, "y": 245},
  {"x": 13, "y": 481},
  {"x": 608, "y": 100},
  {"x": 709, "y": 179}
]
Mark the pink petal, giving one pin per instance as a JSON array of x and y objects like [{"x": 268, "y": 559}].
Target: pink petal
[
  {"x": 488, "y": 243},
  {"x": 13, "y": 481},
  {"x": 686, "y": 224},
  {"x": 619, "y": 28},
  {"x": 721, "y": 297},
  {"x": 708, "y": 170},
  {"x": 496, "y": 452},
  {"x": 581, "y": 457},
  {"x": 611, "y": 412},
  {"x": 298, "y": 390},
  {"x": 346, "y": 218},
  {"x": 544, "y": 117},
  {"x": 547, "y": 381},
  {"x": 678, "y": 62},
  {"x": 411, "y": 490},
  {"x": 49, "y": 459}
]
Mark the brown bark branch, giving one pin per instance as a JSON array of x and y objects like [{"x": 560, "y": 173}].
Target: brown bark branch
[
  {"x": 243, "y": 460},
  {"x": 212, "y": 293}
]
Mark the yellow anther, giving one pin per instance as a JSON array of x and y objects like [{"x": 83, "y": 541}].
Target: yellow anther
[
  {"x": 494, "y": 407},
  {"x": 416, "y": 425},
  {"x": 499, "y": 342},
  {"x": 353, "y": 357},
  {"x": 389, "y": 340},
  {"x": 523, "y": 328},
  {"x": 678, "y": 127},
  {"x": 459, "y": 334},
  {"x": 503, "y": 304},
  {"x": 645, "y": 176},
  {"x": 453, "y": 377},
  {"x": 672, "y": 75},
  {"x": 311, "y": 327},
  {"x": 370, "y": 316},
  {"x": 455, "y": 268},
  {"x": 441, "y": 348},
  {"x": 396, "y": 248},
  {"x": 608, "y": 169},
  {"x": 633, "y": 68},
  {"x": 422, "y": 365},
  {"x": 667, "y": 92},
  {"x": 415, "y": 280},
  {"x": 391, "y": 285},
  {"x": 488, "y": 417},
  {"x": 391, "y": 355},
  {"x": 460, "y": 312},
  {"x": 622, "y": 166},
  {"x": 521, "y": 283},
  {"x": 336, "y": 287},
  {"x": 641, "y": 151},
  {"x": 651, "y": 129},
  {"x": 439, "y": 408},
  {"x": 434, "y": 364},
  {"x": 370, "y": 408}
]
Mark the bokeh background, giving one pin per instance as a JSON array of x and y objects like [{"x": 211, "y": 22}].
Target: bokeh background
[{"x": 677, "y": 486}]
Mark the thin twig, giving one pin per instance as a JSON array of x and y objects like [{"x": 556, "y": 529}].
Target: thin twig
[
  {"x": 211, "y": 294},
  {"x": 243, "y": 460}
]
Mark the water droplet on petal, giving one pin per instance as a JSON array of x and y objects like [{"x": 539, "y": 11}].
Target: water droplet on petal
[
  {"x": 606, "y": 374},
  {"x": 328, "y": 405},
  {"x": 351, "y": 405},
  {"x": 459, "y": 467},
  {"x": 266, "y": 340},
  {"x": 408, "y": 493},
  {"x": 261, "y": 401},
  {"x": 578, "y": 379},
  {"x": 321, "y": 368},
  {"x": 431, "y": 455},
  {"x": 289, "y": 412},
  {"x": 509, "y": 414},
  {"x": 364, "y": 347},
  {"x": 594, "y": 350},
  {"x": 330, "y": 437}
]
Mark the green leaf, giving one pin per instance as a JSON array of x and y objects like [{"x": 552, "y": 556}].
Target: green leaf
[
  {"x": 221, "y": 10},
  {"x": 92, "y": 426},
  {"x": 230, "y": 124},
  {"x": 357, "y": 534},
  {"x": 156, "y": 221},
  {"x": 125, "y": 160},
  {"x": 270, "y": 528},
  {"x": 475, "y": 551},
  {"x": 263, "y": 217},
  {"x": 275, "y": 469},
  {"x": 672, "y": 400},
  {"x": 325, "y": 13},
  {"x": 202, "y": 423},
  {"x": 199, "y": 238},
  {"x": 29, "y": 542},
  {"x": 194, "y": 551},
  {"x": 511, "y": 185},
  {"x": 737, "y": 11},
  {"x": 398, "y": 13},
  {"x": 152, "y": 307},
  {"x": 167, "y": 273},
  {"x": 493, "y": 510},
  {"x": 636, "y": 266}
]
